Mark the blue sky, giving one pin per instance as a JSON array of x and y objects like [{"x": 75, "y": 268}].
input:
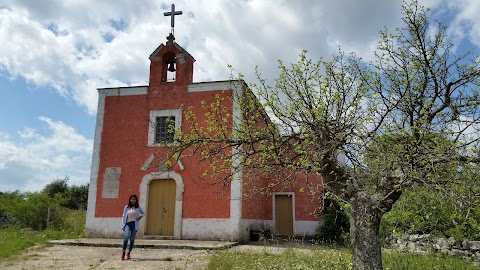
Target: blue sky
[{"x": 55, "y": 54}]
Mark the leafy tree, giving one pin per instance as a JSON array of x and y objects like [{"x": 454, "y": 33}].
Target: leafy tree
[
  {"x": 73, "y": 197},
  {"x": 453, "y": 210},
  {"x": 7, "y": 201},
  {"x": 30, "y": 209},
  {"x": 408, "y": 118},
  {"x": 78, "y": 197},
  {"x": 57, "y": 186}
]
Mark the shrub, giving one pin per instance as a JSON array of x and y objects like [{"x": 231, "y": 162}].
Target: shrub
[
  {"x": 74, "y": 197},
  {"x": 336, "y": 225},
  {"x": 31, "y": 209},
  {"x": 14, "y": 240},
  {"x": 430, "y": 211}
]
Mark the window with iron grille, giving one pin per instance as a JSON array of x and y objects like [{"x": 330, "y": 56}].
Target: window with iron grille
[{"x": 164, "y": 129}]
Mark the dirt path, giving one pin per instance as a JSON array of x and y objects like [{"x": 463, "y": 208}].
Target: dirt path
[
  {"x": 91, "y": 257},
  {"x": 76, "y": 257}
]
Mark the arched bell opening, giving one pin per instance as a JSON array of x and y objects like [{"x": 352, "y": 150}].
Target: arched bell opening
[{"x": 170, "y": 67}]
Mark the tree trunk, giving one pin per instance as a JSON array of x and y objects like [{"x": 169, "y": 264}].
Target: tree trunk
[{"x": 364, "y": 233}]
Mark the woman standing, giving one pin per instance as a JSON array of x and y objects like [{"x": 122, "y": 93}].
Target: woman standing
[{"x": 132, "y": 214}]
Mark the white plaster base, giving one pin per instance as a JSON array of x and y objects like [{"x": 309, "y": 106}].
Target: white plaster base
[
  {"x": 201, "y": 229},
  {"x": 300, "y": 227},
  {"x": 305, "y": 228},
  {"x": 208, "y": 229},
  {"x": 105, "y": 228}
]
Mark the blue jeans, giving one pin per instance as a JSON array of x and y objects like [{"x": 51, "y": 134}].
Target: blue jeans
[{"x": 130, "y": 233}]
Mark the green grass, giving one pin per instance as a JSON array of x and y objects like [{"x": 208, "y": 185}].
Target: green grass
[
  {"x": 328, "y": 258},
  {"x": 395, "y": 260},
  {"x": 14, "y": 240},
  {"x": 322, "y": 258}
]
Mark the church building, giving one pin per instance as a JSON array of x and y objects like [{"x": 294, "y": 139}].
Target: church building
[{"x": 131, "y": 129}]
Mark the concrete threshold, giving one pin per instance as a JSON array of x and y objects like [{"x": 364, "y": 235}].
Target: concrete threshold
[{"x": 147, "y": 243}]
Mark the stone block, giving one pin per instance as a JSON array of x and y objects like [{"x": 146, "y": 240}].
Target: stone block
[
  {"x": 458, "y": 252},
  {"x": 473, "y": 245},
  {"x": 411, "y": 247},
  {"x": 413, "y": 237}
]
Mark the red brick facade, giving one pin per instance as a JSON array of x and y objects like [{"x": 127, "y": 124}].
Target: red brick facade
[{"x": 123, "y": 147}]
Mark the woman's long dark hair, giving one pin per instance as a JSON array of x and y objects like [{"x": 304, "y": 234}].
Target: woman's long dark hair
[{"x": 130, "y": 203}]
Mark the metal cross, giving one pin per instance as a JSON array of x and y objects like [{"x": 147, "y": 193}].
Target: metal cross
[{"x": 172, "y": 14}]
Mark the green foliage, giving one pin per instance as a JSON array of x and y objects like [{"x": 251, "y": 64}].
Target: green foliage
[
  {"x": 72, "y": 225},
  {"x": 423, "y": 210},
  {"x": 56, "y": 186},
  {"x": 13, "y": 240},
  {"x": 402, "y": 120},
  {"x": 336, "y": 226},
  {"x": 28, "y": 210},
  {"x": 31, "y": 209},
  {"x": 27, "y": 214},
  {"x": 387, "y": 153},
  {"x": 331, "y": 259},
  {"x": 78, "y": 197},
  {"x": 73, "y": 197}
]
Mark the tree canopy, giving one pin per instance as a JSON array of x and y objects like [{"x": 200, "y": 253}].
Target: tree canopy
[{"x": 409, "y": 117}]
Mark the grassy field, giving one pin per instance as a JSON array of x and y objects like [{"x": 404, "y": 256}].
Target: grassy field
[
  {"x": 328, "y": 258},
  {"x": 14, "y": 240}
]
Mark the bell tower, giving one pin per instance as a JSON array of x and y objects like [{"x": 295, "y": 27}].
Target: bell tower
[{"x": 170, "y": 63}]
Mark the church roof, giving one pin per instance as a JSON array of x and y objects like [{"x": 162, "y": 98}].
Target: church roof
[{"x": 170, "y": 42}]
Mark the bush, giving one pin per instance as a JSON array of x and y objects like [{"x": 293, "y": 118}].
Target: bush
[
  {"x": 73, "y": 222},
  {"x": 31, "y": 210},
  {"x": 430, "y": 211},
  {"x": 74, "y": 197},
  {"x": 78, "y": 197},
  {"x": 336, "y": 227},
  {"x": 14, "y": 240},
  {"x": 35, "y": 209}
]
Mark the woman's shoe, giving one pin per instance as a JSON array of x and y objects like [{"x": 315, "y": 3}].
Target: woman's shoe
[
  {"x": 123, "y": 255},
  {"x": 128, "y": 256}
]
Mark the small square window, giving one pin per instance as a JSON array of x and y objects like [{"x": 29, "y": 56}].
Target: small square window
[{"x": 164, "y": 129}]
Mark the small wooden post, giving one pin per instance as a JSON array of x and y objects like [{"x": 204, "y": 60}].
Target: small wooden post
[{"x": 49, "y": 213}]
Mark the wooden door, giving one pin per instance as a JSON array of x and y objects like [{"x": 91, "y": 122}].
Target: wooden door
[
  {"x": 283, "y": 215},
  {"x": 161, "y": 207}
]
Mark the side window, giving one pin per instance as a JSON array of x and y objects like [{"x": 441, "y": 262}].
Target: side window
[
  {"x": 162, "y": 126},
  {"x": 164, "y": 129}
]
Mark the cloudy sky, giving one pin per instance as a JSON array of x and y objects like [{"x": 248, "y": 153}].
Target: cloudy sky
[{"x": 54, "y": 54}]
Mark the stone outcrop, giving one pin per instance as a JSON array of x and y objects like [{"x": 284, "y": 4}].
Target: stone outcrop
[{"x": 428, "y": 243}]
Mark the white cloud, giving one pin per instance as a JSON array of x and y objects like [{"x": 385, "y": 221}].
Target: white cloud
[
  {"x": 27, "y": 133},
  {"x": 465, "y": 22},
  {"x": 37, "y": 159},
  {"x": 76, "y": 47}
]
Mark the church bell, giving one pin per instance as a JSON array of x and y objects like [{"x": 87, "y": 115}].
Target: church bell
[{"x": 171, "y": 65}]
